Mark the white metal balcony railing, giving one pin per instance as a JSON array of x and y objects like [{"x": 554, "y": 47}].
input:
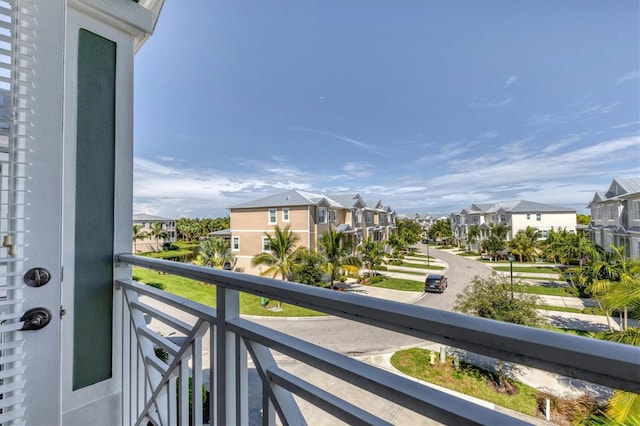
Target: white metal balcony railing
[{"x": 212, "y": 345}]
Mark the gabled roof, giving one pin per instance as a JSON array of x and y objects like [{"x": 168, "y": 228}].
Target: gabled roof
[
  {"x": 621, "y": 186},
  {"x": 349, "y": 200},
  {"x": 292, "y": 197},
  {"x": 143, "y": 217}
]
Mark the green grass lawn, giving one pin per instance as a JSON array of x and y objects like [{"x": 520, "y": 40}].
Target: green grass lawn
[
  {"x": 400, "y": 284},
  {"x": 530, "y": 269},
  {"x": 416, "y": 273},
  {"x": 469, "y": 380},
  {"x": 206, "y": 294},
  {"x": 421, "y": 265},
  {"x": 548, "y": 291}
]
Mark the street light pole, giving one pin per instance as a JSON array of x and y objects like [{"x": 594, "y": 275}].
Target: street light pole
[
  {"x": 511, "y": 258},
  {"x": 427, "y": 253}
]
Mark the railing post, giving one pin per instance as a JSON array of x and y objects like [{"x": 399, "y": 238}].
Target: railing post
[{"x": 231, "y": 377}]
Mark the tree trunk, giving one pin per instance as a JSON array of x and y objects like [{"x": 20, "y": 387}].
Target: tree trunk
[{"x": 605, "y": 313}]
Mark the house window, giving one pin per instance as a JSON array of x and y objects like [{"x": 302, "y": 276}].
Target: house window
[
  {"x": 357, "y": 217},
  {"x": 322, "y": 215},
  {"x": 503, "y": 218},
  {"x": 272, "y": 216},
  {"x": 334, "y": 215},
  {"x": 544, "y": 233},
  {"x": 266, "y": 244},
  {"x": 285, "y": 215},
  {"x": 528, "y": 216},
  {"x": 636, "y": 210},
  {"x": 235, "y": 243},
  {"x": 538, "y": 217}
]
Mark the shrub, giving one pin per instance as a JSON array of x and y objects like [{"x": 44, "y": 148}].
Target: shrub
[
  {"x": 396, "y": 262},
  {"x": 376, "y": 279},
  {"x": 159, "y": 286}
]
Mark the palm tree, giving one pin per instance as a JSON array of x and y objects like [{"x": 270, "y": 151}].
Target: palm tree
[
  {"x": 500, "y": 230},
  {"x": 337, "y": 254},
  {"x": 138, "y": 234},
  {"x": 158, "y": 232},
  {"x": 372, "y": 253},
  {"x": 624, "y": 407},
  {"x": 525, "y": 243},
  {"x": 282, "y": 254},
  {"x": 473, "y": 235}
]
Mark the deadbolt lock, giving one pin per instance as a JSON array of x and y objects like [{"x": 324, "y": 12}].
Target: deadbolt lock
[{"x": 37, "y": 277}]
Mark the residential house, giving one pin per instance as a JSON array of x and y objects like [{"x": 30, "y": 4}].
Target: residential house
[
  {"x": 615, "y": 216},
  {"x": 149, "y": 242},
  {"x": 308, "y": 215},
  {"x": 517, "y": 215}
]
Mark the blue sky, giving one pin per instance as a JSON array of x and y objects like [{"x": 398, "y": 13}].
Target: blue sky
[{"x": 428, "y": 106}]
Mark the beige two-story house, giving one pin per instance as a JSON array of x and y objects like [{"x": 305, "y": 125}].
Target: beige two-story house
[{"x": 308, "y": 215}]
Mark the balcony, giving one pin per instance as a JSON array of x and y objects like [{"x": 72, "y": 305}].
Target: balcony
[{"x": 170, "y": 344}]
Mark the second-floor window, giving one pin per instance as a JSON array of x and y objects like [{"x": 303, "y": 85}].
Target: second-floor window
[
  {"x": 503, "y": 218},
  {"x": 272, "y": 216},
  {"x": 357, "y": 217},
  {"x": 285, "y": 215},
  {"x": 538, "y": 217},
  {"x": 235, "y": 243},
  {"x": 611, "y": 213},
  {"x": 322, "y": 215},
  {"x": 636, "y": 210},
  {"x": 528, "y": 216},
  {"x": 369, "y": 217}
]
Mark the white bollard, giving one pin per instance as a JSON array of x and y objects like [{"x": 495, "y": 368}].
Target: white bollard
[
  {"x": 548, "y": 410},
  {"x": 443, "y": 356}
]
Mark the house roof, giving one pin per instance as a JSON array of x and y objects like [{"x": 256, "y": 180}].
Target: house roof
[
  {"x": 521, "y": 206},
  {"x": 295, "y": 197},
  {"x": 143, "y": 217},
  {"x": 292, "y": 197},
  {"x": 349, "y": 200},
  {"x": 622, "y": 186}
]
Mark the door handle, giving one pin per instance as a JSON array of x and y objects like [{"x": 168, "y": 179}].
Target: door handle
[{"x": 36, "y": 318}]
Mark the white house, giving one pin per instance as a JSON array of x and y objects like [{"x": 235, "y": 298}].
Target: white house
[{"x": 517, "y": 215}]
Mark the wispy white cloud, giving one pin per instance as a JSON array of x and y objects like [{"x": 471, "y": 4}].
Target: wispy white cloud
[
  {"x": 352, "y": 141},
  {"x": 358, "y": 169},
  {"x": 510, "y": 80},
  {"x": 631, "y": 75},
  {"x": 491, "y": 102}
]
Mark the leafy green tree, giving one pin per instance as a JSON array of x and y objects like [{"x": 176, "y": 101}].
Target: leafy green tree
[
  {"x": 493, "y": 298},
  {"x": 216, "y": 253},
  {"x": 372, "y": 254},
  {"x": 307, "y": 268},
  {"x": 138, "y": 234},
  {"x": 583, "y": 219},
  {"x": 409, "y": 230},
  {"x": 493, "y": 245},
  {"x": 441, "y": 231},
  {"x": 337, "y": 254},
  {"x": 282, "y": 255},
  {"x": 157, "y": 232}
]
